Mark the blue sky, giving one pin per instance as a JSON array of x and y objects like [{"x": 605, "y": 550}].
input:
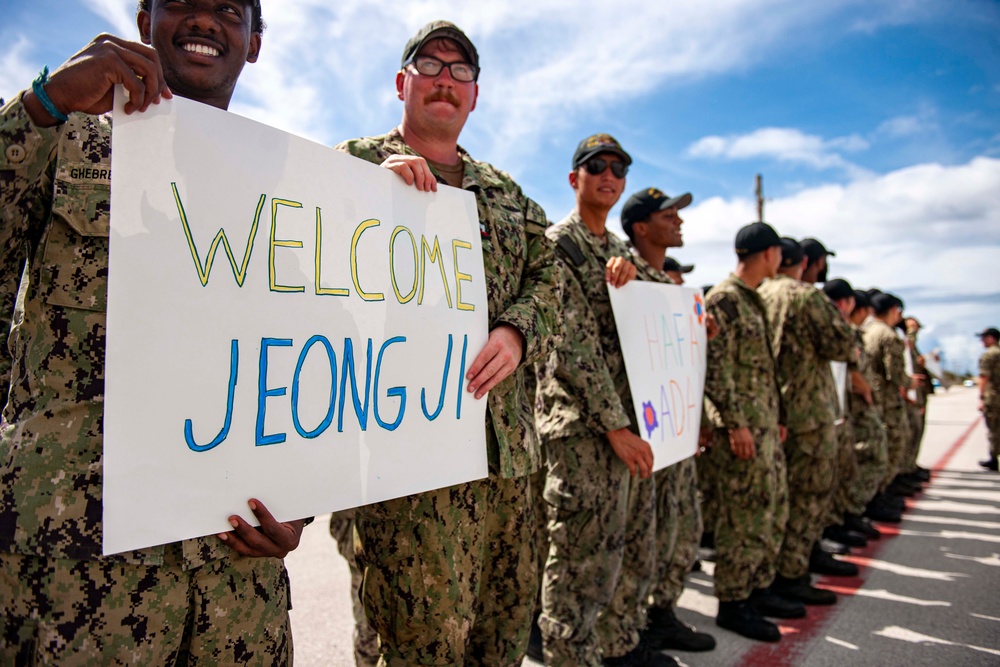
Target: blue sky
[{"x": 876, "y": 124}]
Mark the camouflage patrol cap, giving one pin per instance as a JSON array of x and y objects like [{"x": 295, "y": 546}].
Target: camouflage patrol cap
[
  {"x": 837, "y": 289},
  {"x": 599, "y": 143},
  {"x": 439, "y": 30},
  {"x": 644, "y": 203},
  {"x": 671, "y": 264},
  {"x": 756, "y": 237},
  {"x": 791, "y": 252}
]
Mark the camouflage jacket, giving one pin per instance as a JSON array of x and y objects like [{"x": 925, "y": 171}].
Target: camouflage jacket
[
  {"x": 856, "y": 405},
  {"x": 927, "y": 388},
  {"x": 523, "y": 287},
  {"x": 989, "y": 368},
  {"x": 55, "y": 215},
  {"x": 807, "y": 333},
  {"x": 885, "y": 349},
  {"x": 582, "y": 386},
  {"x": 742, "y": 378}
]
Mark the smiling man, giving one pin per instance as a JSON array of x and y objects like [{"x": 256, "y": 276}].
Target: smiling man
[
  {"x": 461, "y": 560},
  {"x": 191, "y": 602}
]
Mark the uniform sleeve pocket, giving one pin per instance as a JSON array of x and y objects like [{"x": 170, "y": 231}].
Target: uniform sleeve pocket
[{"x": 76, "y": 248}]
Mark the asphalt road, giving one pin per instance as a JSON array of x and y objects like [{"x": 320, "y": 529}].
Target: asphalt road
[{"x": 928, "y": 592}]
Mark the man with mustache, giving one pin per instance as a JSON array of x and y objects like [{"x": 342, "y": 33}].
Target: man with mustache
[
  {"x": 450, "y": 576},
  {"x": 64, "y": 603}
]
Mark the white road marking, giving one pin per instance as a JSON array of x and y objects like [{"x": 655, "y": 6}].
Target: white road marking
[
  {"x": 902, "y": 634},
  {"x": 841, "y": 642}
]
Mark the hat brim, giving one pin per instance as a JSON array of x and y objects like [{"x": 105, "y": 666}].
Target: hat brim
[
  {"x": 678, "y": 202},
  {"x": 603, "y": 149}
]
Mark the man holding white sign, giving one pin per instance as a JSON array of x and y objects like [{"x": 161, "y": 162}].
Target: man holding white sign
[
  {"x": 653, "y": 223},
  {"x": 180, "y": 602},
  {"x": 462, "y": 558}
]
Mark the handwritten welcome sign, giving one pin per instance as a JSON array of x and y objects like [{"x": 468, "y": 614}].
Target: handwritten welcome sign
[
  {"x": 662, "y": 333},
  {"x": 285, "y": 322}
]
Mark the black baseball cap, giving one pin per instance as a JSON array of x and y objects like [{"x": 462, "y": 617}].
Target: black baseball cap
[
  {"x": 861, "y": 299},
  {"x": 756, "y": 237},
  {"x": 671, "y": 264},
  {"x": 883, "y": 302},
  {"x": 439, "y": 30},
  {"x": 599, "y": 143},
  {"x": 646, "y": 202},
  {"x": 791, "y": 251},
  {"x": 991, "y": 331},
  {"x": 813, "y": 249},
  {"x": 837, "y": 289}
]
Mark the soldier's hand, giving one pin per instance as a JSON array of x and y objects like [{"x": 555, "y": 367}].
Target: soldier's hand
[
  {"x": 741, "y": 442},
  {"x": 414, "y": 170},
  {"x": 917, "y": 381},
  {"x": 861, "y": 387},
  {"x": 273, "y": 538},
  {"x": 503, "y": 352},
  {"x": 712, "y": 327},
  {"x": 619, "y": 271},
  {"x": 633, "y": 451},
  {"x": 782, "y": 433},
  {"x": 86, "y": 82}
]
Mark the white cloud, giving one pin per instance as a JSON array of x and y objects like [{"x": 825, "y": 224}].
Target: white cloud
[
  {"x": 929, "y": 232},
  {"x": 784, "y": 145},
  {"x": 15, "y": 68},
  {"x": 119, "y": 13}
]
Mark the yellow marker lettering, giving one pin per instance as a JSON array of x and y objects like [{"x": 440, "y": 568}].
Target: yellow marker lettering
[
  {"x": 459, "y": 276},
  {"x": 280, "y": 243},
  {"x": 435, "y": 256},
  {"x": 204, "y": 270},
  {"x": 367, "y": 296},
  {"x": 392, "y": 264},
  {"x": 324, "y": 291}
]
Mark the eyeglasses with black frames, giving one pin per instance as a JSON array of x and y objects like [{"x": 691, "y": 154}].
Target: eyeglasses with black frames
[{"x": 431, "y": 66}]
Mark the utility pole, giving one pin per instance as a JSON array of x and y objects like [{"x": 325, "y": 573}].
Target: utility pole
[{"x": 759, "y": 191}]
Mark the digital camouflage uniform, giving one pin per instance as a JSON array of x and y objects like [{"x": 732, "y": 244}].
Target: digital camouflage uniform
[
  {"x": 681, "y": 499},
  {"x": 868, "y": 440},
  {"x": 916, "y": 410},
  {"x": 366, "y": 651},
  {"x": 750, "y": 496},
  {"x": 602, "y": 521},
  {"x": 193, "y": 601},
  {"x": 885, "y": 351},
  {"x": 450, "y": 575},
  {"x": 807, "y": 333},
  {"x": 989, "y": 368}
]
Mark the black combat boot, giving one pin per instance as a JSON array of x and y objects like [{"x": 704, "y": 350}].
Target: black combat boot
[
  {"x": 821, "y": 562},
  {"x": 641, "y": 656},
  {"x": 664, "y": 630},
  {"x": 923, "y": 474},
  {"x": 802, "y": 590},
  {"x": 861, "y": 525},
  {"x": 769, "y": 603},
  {"x": 845, "y": 535},
  {"x": 991, "y": 464},
  {"x": 743, "y": 619}
]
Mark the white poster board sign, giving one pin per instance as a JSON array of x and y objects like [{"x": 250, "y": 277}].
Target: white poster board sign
[
  {"x": 839, "y": 370},
  {"x": 662, "y": 332},
  {"x": 285, "y": 322}
]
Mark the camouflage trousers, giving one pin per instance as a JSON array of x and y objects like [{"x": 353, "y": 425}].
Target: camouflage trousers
[
  {"x": 601, "y": 562},
  {"x": 366, "y": 651},
  {"x": 231, "y": 611},
  {"x": 992, "y": 416},
  {"x": 870, "y": 451},
  {"x": 541, "y": 528},
  {"x": 897, "y": 433},
  {"x": 675, "y": 564},
  {"x": 752, "y": 509},
  {"x": 450, "y": 575},
  {"x": 845, "y": 499},
  {"x": 916, "y": 415},
  {"x": 811, "y": 482},
  {"x": 706, "y": 487}
]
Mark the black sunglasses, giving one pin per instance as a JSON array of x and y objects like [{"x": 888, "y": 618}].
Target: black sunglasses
[{"x": 596, "y": 166}]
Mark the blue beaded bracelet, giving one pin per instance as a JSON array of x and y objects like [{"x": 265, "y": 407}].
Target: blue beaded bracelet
[{"x": 38, "y": 87}]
